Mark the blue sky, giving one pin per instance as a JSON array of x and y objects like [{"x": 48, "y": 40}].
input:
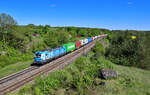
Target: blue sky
[{"x": 110, "y": 14}]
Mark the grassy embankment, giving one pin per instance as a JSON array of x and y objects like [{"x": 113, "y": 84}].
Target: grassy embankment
[{"x": 14, "y": 68}]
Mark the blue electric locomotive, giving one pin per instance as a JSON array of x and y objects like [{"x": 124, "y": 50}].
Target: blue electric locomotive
[{"x": 42, "y": 57}]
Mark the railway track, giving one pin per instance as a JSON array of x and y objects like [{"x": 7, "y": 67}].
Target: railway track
[
  {"x": 17, "y": 80},
  {"x": 12, "y": 76}
]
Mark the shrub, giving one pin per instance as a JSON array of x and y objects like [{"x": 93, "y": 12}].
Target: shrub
[
  {"x": 102, "y": 63},
  {"x": 98, "y": 49},
  {"x": 37, "y": 91},
  {"x": 82, "y": 63},
  {"x": 25, "y": 90}
]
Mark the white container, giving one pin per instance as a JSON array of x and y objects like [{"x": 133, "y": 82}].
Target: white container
[{"x": 82, "y": 42}]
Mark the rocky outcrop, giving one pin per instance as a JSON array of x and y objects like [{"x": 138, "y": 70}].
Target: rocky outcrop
[
  {"x": 3, "y": 53},
  {"x": 108, "y": 73}
]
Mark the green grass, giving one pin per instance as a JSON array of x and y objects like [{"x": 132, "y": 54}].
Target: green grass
[
  {"x": 130, "y": 81},
  {"x": 14, "y": 68}
]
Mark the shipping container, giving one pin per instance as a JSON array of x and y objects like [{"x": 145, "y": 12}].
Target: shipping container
[
  {"x": 85, "y": 41},
  {"x": 101, "y": 36},
  {"x": 69, "y": 46},
  {"x": 81, "y": 42},
  {"x": 78, "y": 44},
  {"x": 93, "y": 38},
  {"x": 89, "y": 40},
  {"x": 105, "y": 35}
]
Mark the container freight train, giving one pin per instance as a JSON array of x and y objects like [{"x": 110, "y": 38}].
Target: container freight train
[{"x": 45, "y": 56}]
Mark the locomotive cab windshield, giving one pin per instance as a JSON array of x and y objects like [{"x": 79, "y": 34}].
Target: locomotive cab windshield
[{"x": 38, "y": 55}]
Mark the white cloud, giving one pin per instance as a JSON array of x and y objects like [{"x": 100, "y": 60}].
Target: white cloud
[{"x": 53, "y": 5}]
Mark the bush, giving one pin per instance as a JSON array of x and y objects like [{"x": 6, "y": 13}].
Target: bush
[
  {"x": 13, "y": 56},
  {"x": 102, "y": 63},
  {"x": 25, "y": 90},
  {"x": 99, "y": 50}
]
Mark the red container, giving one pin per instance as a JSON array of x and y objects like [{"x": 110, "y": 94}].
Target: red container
[
  {"x": 93, "y": 38},
  {"x": 78, "y": 44},
  {"x": 101, "y": 36}
]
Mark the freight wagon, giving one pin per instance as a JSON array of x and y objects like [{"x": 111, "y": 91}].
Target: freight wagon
[
  {"x": 93, "y": 38},
  {"x": 69, "y": 47},
  {"x": 77, "y": 44},
  {"x": 101, "y": 36},
  {"x": 83, "y": 42},
  {"x": 89, "y": 40}
]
